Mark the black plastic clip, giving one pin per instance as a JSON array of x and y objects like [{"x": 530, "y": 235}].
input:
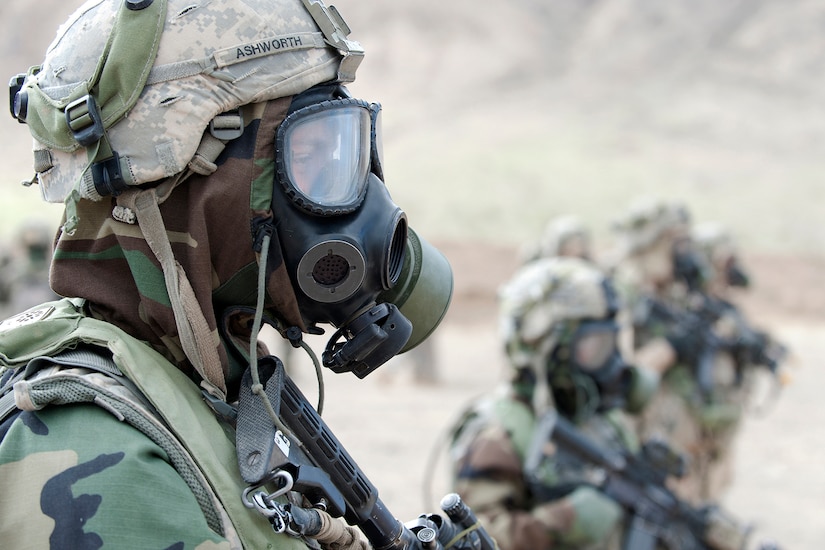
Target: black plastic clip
[
  {"x": 18, "y": 102},
  {"x": 107, "y": 177},
  {"x": 84, "y": 120},
  {"x": 136, "y": 5}
]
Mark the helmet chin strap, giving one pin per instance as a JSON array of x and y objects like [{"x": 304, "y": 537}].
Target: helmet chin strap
[
  {"x": 542, "y": 396},
  {"x": 198, "y": 342}
]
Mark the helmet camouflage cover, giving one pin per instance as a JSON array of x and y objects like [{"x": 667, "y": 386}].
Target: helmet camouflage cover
[
  {"x": 647, "y": 221},
  {"x": 540, "y": 297},
  {"x": 562, "y": 236},
  {"x": 159, "y": 75}
]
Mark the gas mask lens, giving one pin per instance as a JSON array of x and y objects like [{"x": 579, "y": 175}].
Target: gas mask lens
[
  {"x": 327, "y": 151},
  {"x": 594, "y": 345}
]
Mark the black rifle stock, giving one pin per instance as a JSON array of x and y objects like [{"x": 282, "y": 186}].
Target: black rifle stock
[
  {"x": 325, "y": 472},
  {"x": 657, "y": 518}
]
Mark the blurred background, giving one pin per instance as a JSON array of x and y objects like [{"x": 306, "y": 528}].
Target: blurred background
[{"x": 499, "y": 116}]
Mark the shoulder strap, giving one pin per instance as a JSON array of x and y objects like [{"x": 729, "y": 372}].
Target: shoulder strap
[
  {"x": 187, "y": 420},
  {"x": 89, "y": 375}
]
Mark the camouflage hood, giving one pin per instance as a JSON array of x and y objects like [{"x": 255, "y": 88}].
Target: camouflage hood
[{"x": 110, "y": 263}]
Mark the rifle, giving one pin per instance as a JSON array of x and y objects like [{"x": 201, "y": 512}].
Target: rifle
[
  {"x": 657, "y": 518},
  {"x": 304, "y": 455},
  {"x": 697, "y": 325},
  {"x": 750, "y": 348}
]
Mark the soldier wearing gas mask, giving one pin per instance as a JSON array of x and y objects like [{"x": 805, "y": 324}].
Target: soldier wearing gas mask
[
  {"x": 558, "y": 321},
  {"x": 217, "y": 174},
  {"x": 663, "y": 278}
]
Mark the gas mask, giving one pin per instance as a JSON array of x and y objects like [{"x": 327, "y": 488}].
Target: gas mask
[
  {"x": 589, "y": 370},
  {"x": 688, "y": 265},
  {"x": 595, "y": 352},
  {"x": 352, "y": 259}
]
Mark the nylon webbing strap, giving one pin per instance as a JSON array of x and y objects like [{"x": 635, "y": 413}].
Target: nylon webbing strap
[
  {"x": 132, "y": 48},
  {"x": 193, "y": 329},
  {"x": 256, "y": 437}
]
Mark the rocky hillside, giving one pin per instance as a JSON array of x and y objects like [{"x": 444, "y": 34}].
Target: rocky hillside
[{"x": 500, "y": 115}]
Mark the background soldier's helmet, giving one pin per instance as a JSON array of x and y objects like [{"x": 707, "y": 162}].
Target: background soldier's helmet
[
  {"x": 720, "y": 253},
  {"x": 562, "y": 236},
  {"x": 541, "y": 298},
  {"x": 649, "y": 221}
]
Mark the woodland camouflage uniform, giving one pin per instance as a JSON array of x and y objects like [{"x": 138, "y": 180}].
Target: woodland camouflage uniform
[{"x": 52, "y": 452}]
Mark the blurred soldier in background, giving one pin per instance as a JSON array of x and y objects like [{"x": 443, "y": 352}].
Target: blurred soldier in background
[
  {"x": 562, "y": 236},
  {"x": 720, "y": 254},
  {"x": 734, "y": 357},
  {"x": 559, "y": 328},
  {"x": 551, "y": 459},
  {"x": 677, "y": 329},
  {"x": 25, "y": 268}
]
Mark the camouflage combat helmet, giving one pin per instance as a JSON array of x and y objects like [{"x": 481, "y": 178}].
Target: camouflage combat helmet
[
  {"x": 558, "y": 321},
  {"x": 544, "y": 295},
  {"x": 134, "y": 91},
  {"x": 647, "y": 221},
  {"x": 562, "y": 236}
]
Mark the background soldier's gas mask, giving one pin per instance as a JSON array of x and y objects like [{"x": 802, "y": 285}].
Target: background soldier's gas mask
[
  {"x": 586, "y": 372},
  {"x": 688, "y": 265},
  {"x": 352, "y": 259}
]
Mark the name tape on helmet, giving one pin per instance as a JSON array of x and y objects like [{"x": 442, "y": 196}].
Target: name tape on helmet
[{"x": 269, "y": 46}]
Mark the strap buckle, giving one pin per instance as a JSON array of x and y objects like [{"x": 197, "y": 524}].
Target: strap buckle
[
  {"x": 108, "y": 177},
  {"x": 18, "y": 101},
  {"x": 227, "y": 126},
  {"x": 84, "y": 120}
]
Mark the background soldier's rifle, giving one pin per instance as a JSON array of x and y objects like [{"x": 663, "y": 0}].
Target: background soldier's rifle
[
  {"x": 304, "y": 455},
  {"x": 657, "y": 518},
  {"x": 749, "y": 347},
  {"x": 691, "y": 333}
]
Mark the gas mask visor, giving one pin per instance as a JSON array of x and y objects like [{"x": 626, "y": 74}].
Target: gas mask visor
[
  {"x": 593, "y": 345},
  {"x": 328, "y": 151},
  {"x": 353, "y": 260},
  {"x": 595, "y": 352}
]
